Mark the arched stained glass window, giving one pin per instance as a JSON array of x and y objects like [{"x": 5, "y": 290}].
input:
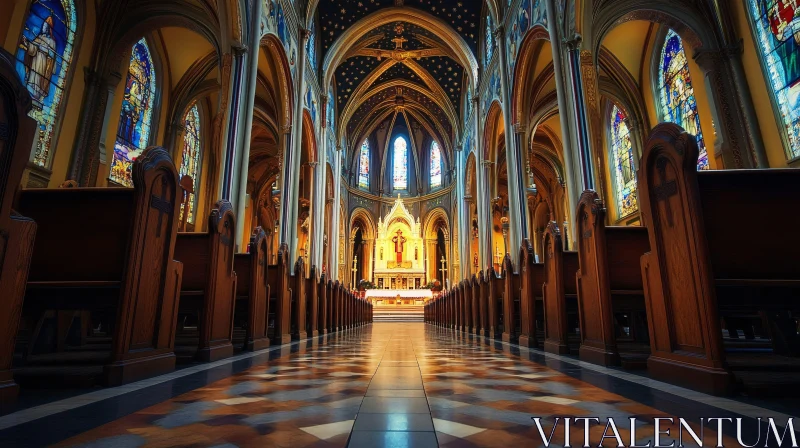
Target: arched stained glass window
[
  {"x": 777, "y": 28},
  {"x": 363, "y": 165},
  {"x": 400, "y": 164},
  {"x": 678, "y": 104},
  {"x": 622, "y": 161},
  {"x": 436, "y": 165},
  {"x": 311, "y": 46},
  {"x": 190, "y": 156},
  {"x": 133, "y": 133},
  {"x": 43, "y": 56},
  {"x": 489, "y": 40}
]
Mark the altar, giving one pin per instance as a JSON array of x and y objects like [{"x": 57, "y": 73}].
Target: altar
[
  {"x": 391, "y": 297},
  {"x": 399, "y": 262}
]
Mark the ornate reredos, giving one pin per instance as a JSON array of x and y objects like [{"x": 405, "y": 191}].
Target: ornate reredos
[{"x": 399, "y": 212}]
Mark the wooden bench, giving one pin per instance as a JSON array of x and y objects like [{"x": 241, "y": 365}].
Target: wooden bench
[
  {"x": 495, "y": 303},
  {"x": 322, "y": 297},
  {"x": 610, "y": 296},
  {"x": 281, "y": 300},
  {"x": 253, "y": 291},
  {"x": 108, "y": 253},
  {"x": 478, "y": 313},
  {"x": 483, "y": 301},
  {"x": 208, "y": 289},
  {"x": 465, "y": 298},
  {"x": 511, "y": 302},
  {"x": 299, "y": 305},
  {"x": 707, "y": 265},
  {"x": 17, "y": 233},
  {"x": 531, "y": 300},
  {"x": 559, "y": 291}
]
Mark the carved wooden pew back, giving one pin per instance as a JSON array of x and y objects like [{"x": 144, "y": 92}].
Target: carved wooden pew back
[
  {"x": 704, "y": 266},
  {"x": 208, "y": 289},
  {"x": 559, "y": 291},
  {"x": 511, "y": 302},
  {"x": 109, "y": 252},
  {"x": 610, "y": 297},
  {"x": 252, "y": 292}
]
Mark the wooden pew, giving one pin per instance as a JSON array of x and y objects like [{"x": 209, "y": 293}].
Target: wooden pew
[
  {"x": 330, "y": 291},
  {"x": 511, "y": 302},
  {"x": 609, "y": 281},
  {"x": 107, "y": 252},
  {"x": 531, "y": 299},
  {"x": 299, "y": 300},
  {"x": 477, "y": 312},
  {"x": 483, "y": 300},
  {"x": 17, "y": 233},
  {"x": 208, "y": 288},
  {"x": 322, "y": 297},
  {"x": 280, "y": 300},
  {"x": 559, "y": 291},
  {"x": 706, "y": 266},
  {"x": 495, "y": 288},
  {"x": 466, "y": 305},
  {"x": 253, "y": 291}
]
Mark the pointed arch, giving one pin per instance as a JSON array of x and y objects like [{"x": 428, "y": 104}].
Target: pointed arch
[
  {"x": 44, "y": 55},
  {"x": 136, "y": 113},
  {"x": 677, "y": 103}
]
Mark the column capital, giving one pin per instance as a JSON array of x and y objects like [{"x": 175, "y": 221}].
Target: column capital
[
  {"x": 287, "y": 129},
  {"x": 305, "y": 33},
  {"x": 709, "y": 60},
  {"x": 499, "y": 31},
  {"x": 459, "y": 148},
  {"x": 238, "y": 48},
  {"x": 574, "y": 44},
  {"x": 519, "y": 128}
]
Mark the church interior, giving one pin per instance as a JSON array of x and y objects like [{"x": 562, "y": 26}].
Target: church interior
[{"x": 422, "y": 223}]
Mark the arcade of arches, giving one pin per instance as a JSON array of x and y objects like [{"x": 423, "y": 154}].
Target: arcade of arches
[{"x": 415, "y": 146}]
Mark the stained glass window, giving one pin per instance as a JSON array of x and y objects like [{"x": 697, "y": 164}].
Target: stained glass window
[
  {"x": 400, "y": 178},
  {"x": 44, "y": 54},
  {"x": 678, "y": 104},
  {"x": 436, "y": 165},
  {"x": 777, "y": 27},
  {"x": 489, "y": 39},
  {"x": 363, "y": 165},
  {"x": 622, "y": 160},
  {"x": 311, "y": 46},
  {"x": 190, "y": 156},
  {"x": 133, "y": 133}
]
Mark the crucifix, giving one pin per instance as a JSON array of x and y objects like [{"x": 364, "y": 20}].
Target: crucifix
[
  {"x": 666, "y": 189},
  {"x": 443, "y": 270},
  {"x": 399, "y": 241}
]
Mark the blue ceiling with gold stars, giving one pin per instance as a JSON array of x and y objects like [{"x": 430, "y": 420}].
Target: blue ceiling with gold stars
[{"x": 336, "y": 16}]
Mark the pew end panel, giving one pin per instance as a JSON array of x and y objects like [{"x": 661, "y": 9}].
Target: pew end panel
[
  {"x": 252, "y": 285},
  {"x": 531, "y": 281},
  {"x": 299, "y": 301},
  {"x": 595, "y": 308},
  {"x": 283, "y": 300},
  {"x": 678, "y": 281},
  {"x": 554, "y": 292},
  {"x": 17, "y": 131}
]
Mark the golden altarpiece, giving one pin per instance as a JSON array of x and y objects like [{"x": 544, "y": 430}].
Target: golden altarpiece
[{"x": 399, "y": 257}]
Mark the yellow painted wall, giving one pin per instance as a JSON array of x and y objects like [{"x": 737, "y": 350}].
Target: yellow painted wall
[{"x": 767, "y": 120}]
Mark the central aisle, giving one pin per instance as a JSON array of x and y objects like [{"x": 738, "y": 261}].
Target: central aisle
[{"x": 394, "y": 384}]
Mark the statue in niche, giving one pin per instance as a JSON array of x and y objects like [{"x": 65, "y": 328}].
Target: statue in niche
[
  {"x": 416, "y": 253},
  {"x": 381, "y": 254},
  {"x": 399, "y": 242}
]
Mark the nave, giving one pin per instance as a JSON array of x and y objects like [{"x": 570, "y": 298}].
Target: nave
[{"x": 393, "y": 384}]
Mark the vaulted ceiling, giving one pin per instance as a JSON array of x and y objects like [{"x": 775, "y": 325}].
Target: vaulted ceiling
[{"x": 400, "y": 64}]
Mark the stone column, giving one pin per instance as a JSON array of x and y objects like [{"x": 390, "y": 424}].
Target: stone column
[
  {"x": 230, "y": 138},
  {"x": 335, "y": 237},
  {"x": 571, "y": 174},
  {"x": 580, "y": 113},
  {"x": 522, "y": 149},
  {"x": 92, "y": 133},
  {"x": 289, "y": 208},
  {"x": 733, "y": 142},
  {"x": 238, "y": 194},
  {"x": 515, "y": 196}
]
